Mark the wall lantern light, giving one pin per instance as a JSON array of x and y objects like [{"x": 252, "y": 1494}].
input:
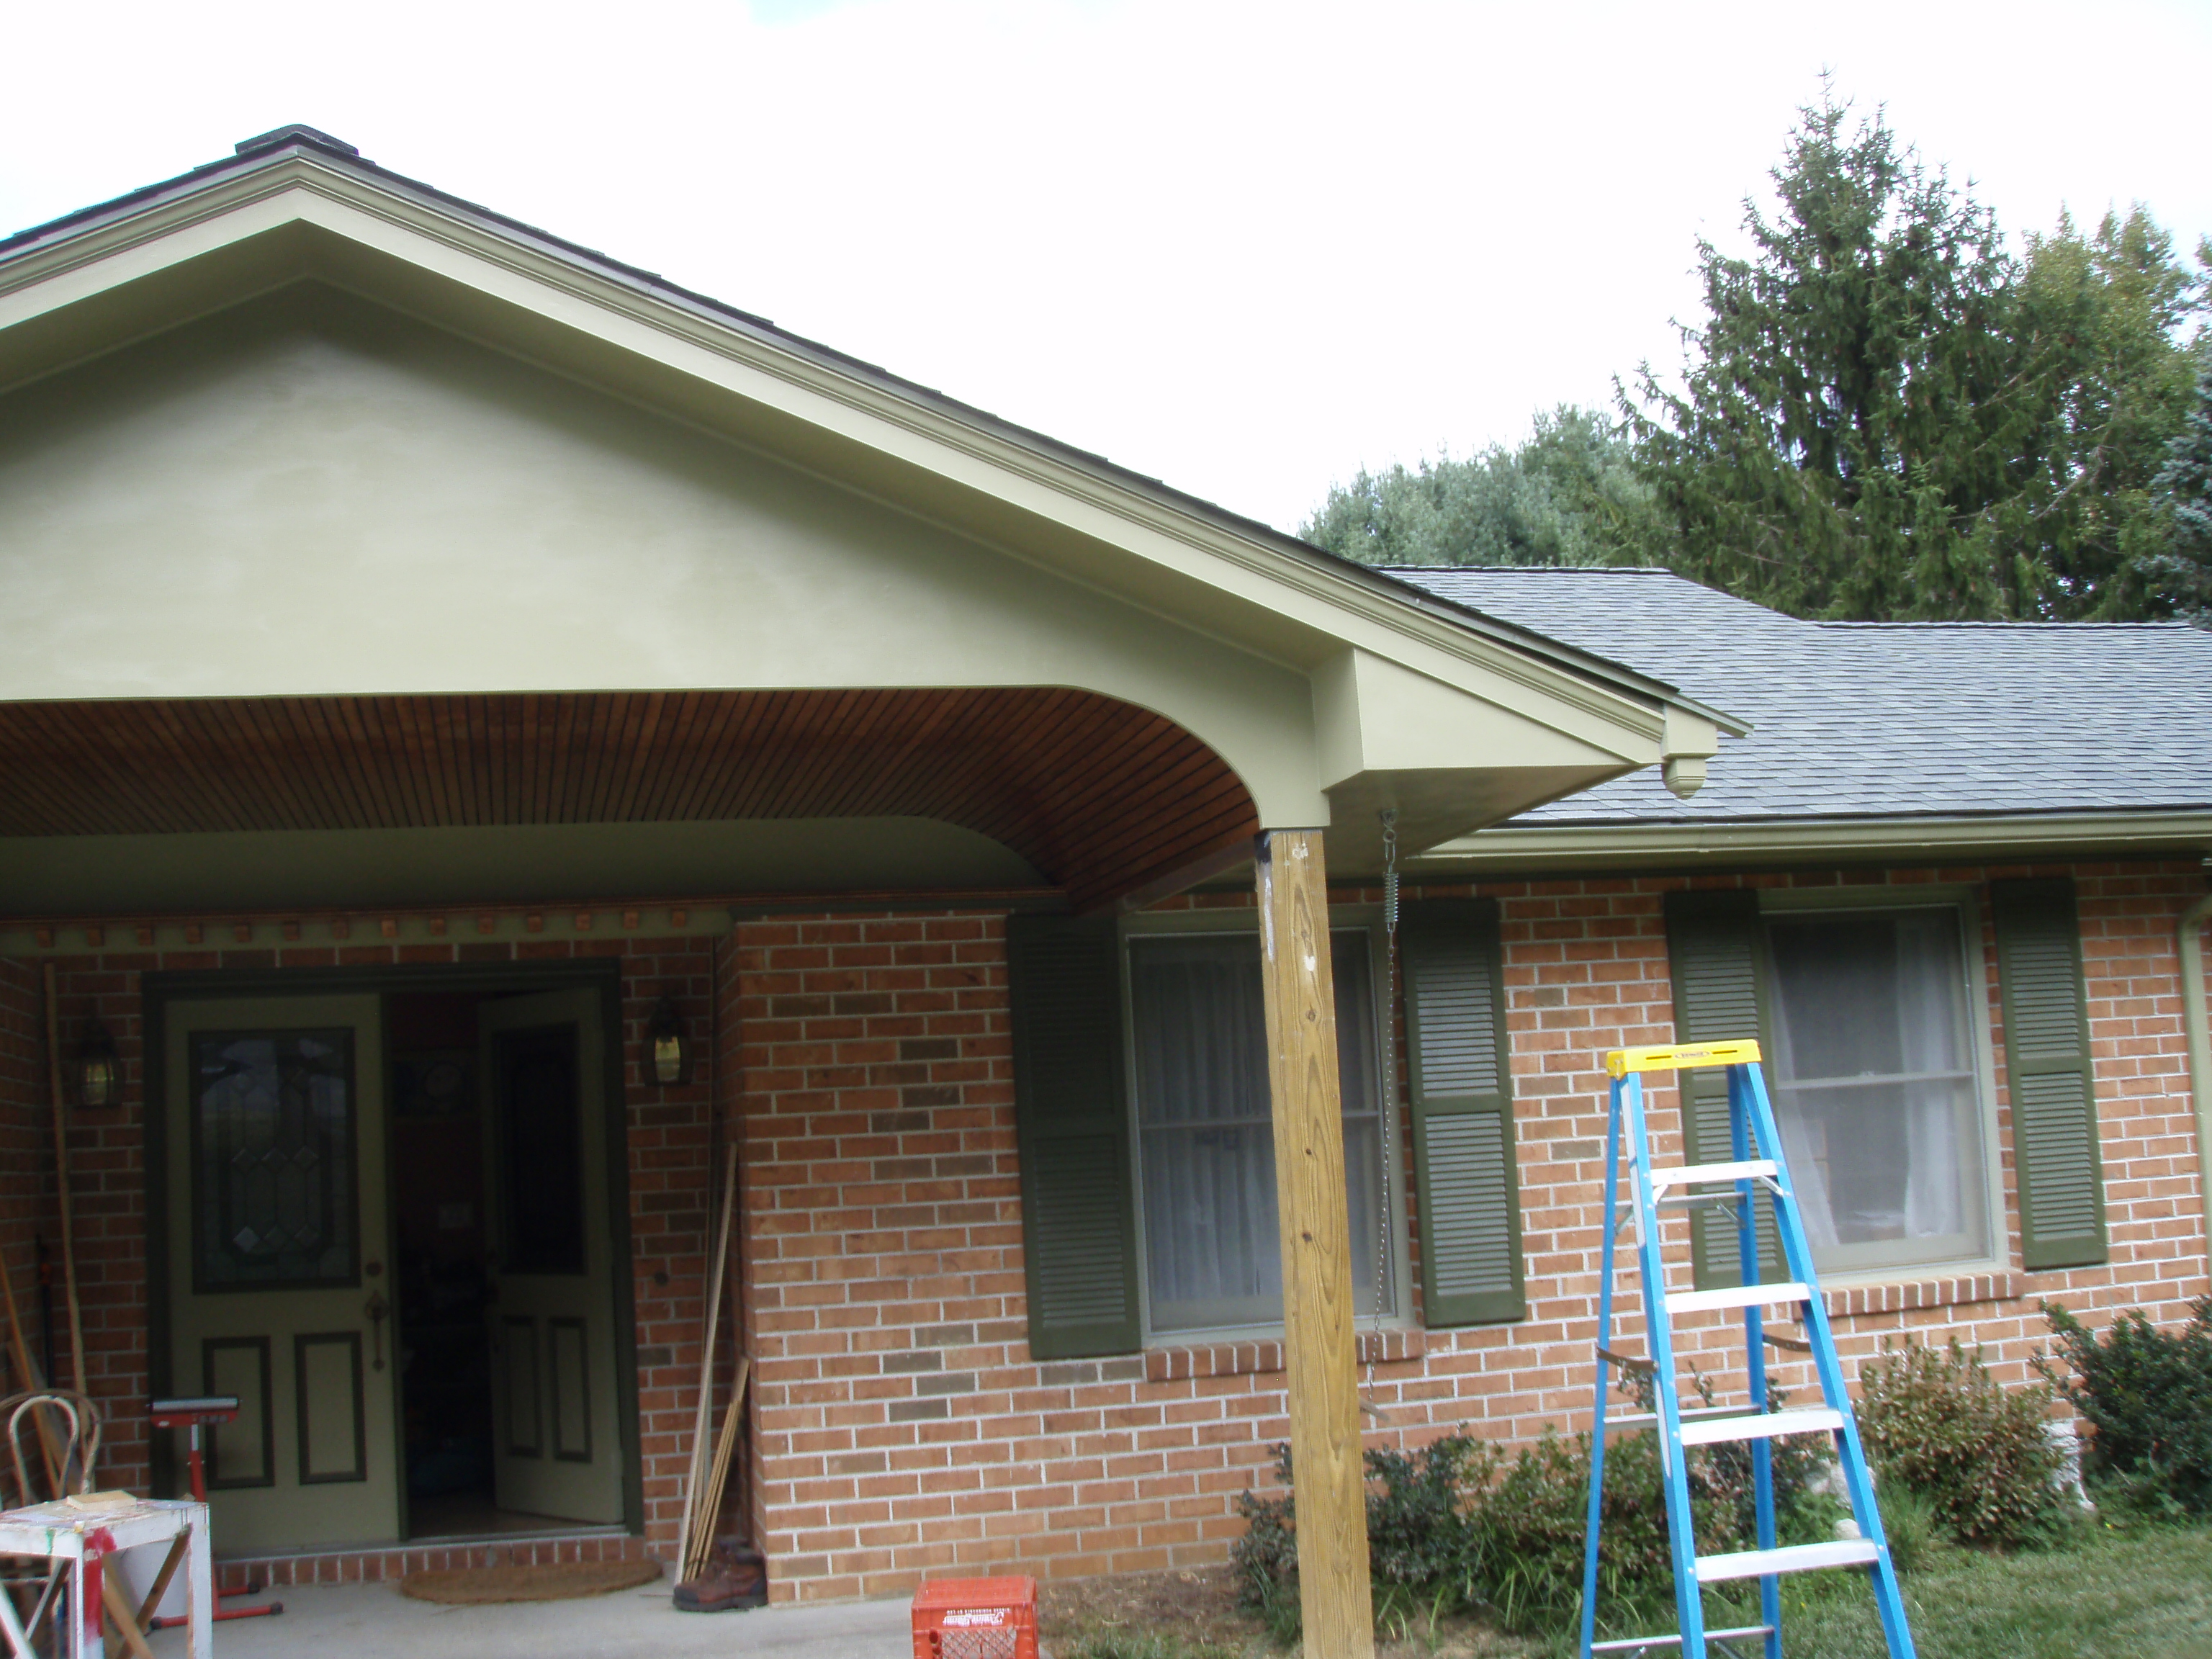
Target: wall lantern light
[
  {"x": 98, "y": 1071},
  {"x": 667, "y": 1049}
]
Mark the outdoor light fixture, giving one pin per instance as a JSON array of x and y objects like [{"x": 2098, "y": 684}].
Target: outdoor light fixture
[
  {"x": 668, "y": 1048},
  {"x": 97, "y": 1070}
]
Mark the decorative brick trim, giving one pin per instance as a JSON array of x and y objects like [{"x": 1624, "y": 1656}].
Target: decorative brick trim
[
  {"x": 1212, "y": 1359},
  {"x": 1389, "y": 1347},
  {"x": 1922, "y": 1294},
  {"x": 1255, "y": 1358},
  {"x": 378, "y": 1566}
]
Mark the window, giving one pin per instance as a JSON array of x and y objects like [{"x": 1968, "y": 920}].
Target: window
[
  {"x": 1877, "y": 1084},
  {"x": 273, "y": 1136},
  {"x": 1205, "y": 1141}
]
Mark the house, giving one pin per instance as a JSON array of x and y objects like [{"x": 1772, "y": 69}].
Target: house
[{"x": 484, "y": 732}]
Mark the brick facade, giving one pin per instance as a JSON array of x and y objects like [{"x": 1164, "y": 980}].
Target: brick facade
[
  {"x": 903, "y": 1428},
  {"x": 670, "y": 1132},
  {"x": 862, "y": 1063}
]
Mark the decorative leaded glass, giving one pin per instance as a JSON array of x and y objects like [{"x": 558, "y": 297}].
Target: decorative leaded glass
[{"x": 273, "y": 1155}]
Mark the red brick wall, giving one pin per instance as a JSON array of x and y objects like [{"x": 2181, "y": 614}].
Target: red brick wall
[
  {"x": 670, "y": 1135},
  {"x": 904, "y": 1429},
  {"x": 863, "y": 1068},
  {"x": 25, "y": 1145},
  {"x": 901, "y": 1426},
  {"x": 1586, "y": 970}
]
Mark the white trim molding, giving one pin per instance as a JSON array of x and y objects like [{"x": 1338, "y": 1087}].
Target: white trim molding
[{"x": 2181, "y": 833}]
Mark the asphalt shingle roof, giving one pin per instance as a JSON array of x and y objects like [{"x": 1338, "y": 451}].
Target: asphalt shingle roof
[{"x": 1858, "y": 719}]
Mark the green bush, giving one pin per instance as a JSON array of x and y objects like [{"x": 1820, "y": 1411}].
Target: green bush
[
  {"x": 1909, "y": 1525},
  {"x": 1455, "y": 1527},
  {"x": 1935, "y": 1422},
  {"x": 2148, "y": 1396}
]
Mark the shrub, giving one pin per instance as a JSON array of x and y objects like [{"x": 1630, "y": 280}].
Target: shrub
[
  {"x": 1454, "y": 1526},
  {"x": 1909, "y": 1523},
  {"x": 2148, "y": 1396},
  {"x": 1936, "y": 1423}
]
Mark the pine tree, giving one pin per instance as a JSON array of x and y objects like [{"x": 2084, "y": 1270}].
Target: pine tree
[
  {"x": 1885, "y": 415},
  {"x": 2099, "y": 324},
  {"x": 1851, "y": 405},
  {"x": 2180, "y": 574}
]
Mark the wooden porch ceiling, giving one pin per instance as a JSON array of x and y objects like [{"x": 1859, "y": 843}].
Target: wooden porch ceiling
[{"x": 1099, "y": 795}]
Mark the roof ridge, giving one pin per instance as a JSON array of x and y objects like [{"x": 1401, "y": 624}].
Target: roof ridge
[
  {"x": 1553, "y": 569},
  {"x": 2166, "y": 624}
]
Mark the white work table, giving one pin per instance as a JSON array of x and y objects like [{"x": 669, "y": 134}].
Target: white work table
[{"x": 83, "y": 1538}]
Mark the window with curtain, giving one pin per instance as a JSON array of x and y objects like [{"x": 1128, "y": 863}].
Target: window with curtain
[
  {"x": 1874, "y": 1086},
  {"x": 1206, "y": 1143}
]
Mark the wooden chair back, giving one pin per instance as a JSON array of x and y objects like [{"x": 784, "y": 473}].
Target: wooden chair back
[{"x": 65, "y": 1426}]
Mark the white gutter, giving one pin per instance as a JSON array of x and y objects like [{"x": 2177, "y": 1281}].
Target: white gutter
[
  {"x": 1625, "y": 844},
  {"x": 2197, "y": 1021}
]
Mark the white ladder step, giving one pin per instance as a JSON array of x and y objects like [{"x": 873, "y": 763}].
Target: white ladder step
[
  {"x": 1791, "y": 1557},
  {"x": 1696, "y": 1174},
  {"x": 1712, "y": 1431},
  {"x": 1631, "y": 1418},
  {"x": 1736, "y": 1296},
  {"x": 1637, "y": 1643}
]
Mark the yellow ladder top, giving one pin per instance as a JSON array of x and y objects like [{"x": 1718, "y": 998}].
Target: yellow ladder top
[{"x": 1679, "y": 1056}]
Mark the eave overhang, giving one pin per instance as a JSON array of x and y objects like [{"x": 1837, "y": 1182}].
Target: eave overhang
[{"x": 2175, "y": 832}]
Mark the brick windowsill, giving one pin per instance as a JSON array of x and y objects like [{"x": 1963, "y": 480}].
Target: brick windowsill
[
  {"x": 1950, "y": 1292},
  {"x": 1253, "y": 1359}
]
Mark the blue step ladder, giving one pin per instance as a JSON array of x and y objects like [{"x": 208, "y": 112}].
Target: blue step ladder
[{"x": 1755, "y": 1168}]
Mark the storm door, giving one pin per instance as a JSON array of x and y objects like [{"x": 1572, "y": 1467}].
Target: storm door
[
  {"x": 277, "y": 1248},
  {"x": 556, "y": 1447}
]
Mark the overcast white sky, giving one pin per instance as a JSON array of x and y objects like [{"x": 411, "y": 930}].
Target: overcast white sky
[{"x": 1247, "y": 249}]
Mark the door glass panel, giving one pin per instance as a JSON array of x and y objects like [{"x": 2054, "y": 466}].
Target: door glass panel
[
  {"x": 274, "y": 1132},
  {"x": 541, "y": 1141}
]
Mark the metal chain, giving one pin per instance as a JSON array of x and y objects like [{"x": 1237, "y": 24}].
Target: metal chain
[{"x": 1389, "y": 1047}]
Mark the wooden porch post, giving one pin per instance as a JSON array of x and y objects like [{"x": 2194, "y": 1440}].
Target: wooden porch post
[{"x": 1333, "y": 1593}]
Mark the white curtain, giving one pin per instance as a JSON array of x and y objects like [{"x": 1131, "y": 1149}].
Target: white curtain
[
  {"x": 1206, "y": 1140},
  {"x": 1874, "y": 1082}
]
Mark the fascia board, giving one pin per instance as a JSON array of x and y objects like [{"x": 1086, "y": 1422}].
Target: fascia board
[
  {"x": 1271, "y": 584},
  {"x": 1673, "y": 845}
]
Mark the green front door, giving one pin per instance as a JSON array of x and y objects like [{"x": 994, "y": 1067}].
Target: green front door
[
  {"x": 278, "y": 1287},
  {"x": 556, "y": 1450}
]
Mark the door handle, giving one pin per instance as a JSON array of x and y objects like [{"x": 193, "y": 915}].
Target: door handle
[{"x": 377, "y": 1311}]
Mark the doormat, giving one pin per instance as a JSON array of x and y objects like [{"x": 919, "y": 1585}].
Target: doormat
[{"x": 462, "y": 1586}]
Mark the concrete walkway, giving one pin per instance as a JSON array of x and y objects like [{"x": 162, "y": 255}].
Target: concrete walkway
[{"x": 374, "y": 1621}]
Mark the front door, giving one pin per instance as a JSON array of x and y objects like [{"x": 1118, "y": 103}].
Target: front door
[
  {"x": 276, "y": 1244},
  {"x": 555, "y": 1452}
]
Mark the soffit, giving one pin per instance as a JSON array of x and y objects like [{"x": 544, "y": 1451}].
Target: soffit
[{"x": 1097, "y": 795}]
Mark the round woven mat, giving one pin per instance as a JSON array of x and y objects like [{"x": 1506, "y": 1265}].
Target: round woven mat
[{"x": 460, "y": 1586}]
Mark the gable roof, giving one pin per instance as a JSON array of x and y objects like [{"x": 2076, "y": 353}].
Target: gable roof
[
  {"x": 1860, "y": 722},
  {"x": 297, "y": 204}
]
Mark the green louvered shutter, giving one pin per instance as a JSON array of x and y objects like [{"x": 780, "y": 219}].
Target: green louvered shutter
[
  {"x": 1078, "y": 1223},
  {"x": 1458, "y": 1074},
  {"x": 1714, "y": 945},
  {"x": 2054, "y": 1102}
]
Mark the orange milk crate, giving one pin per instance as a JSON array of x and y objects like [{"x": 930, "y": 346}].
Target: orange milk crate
[{"x": 976, "y": 1619}]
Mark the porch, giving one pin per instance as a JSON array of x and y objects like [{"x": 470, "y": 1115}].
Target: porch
[
  {"x": 375, "y": 1621},
  {"x": 407, "y": 606}
]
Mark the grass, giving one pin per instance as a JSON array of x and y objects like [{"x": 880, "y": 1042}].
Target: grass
[
  {"x": 2143, "y": 1593},
  {"x": 2113, "y": 1595}
]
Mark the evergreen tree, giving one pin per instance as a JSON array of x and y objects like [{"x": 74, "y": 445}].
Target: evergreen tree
[
  {"x": 1571, "y": 494},
  {"x": 1885, "y": 415},
  {"x": 2181, "y": 573},
  {"x": 2097, "y": 326},
  {"x": 1851, "y": 406}
]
